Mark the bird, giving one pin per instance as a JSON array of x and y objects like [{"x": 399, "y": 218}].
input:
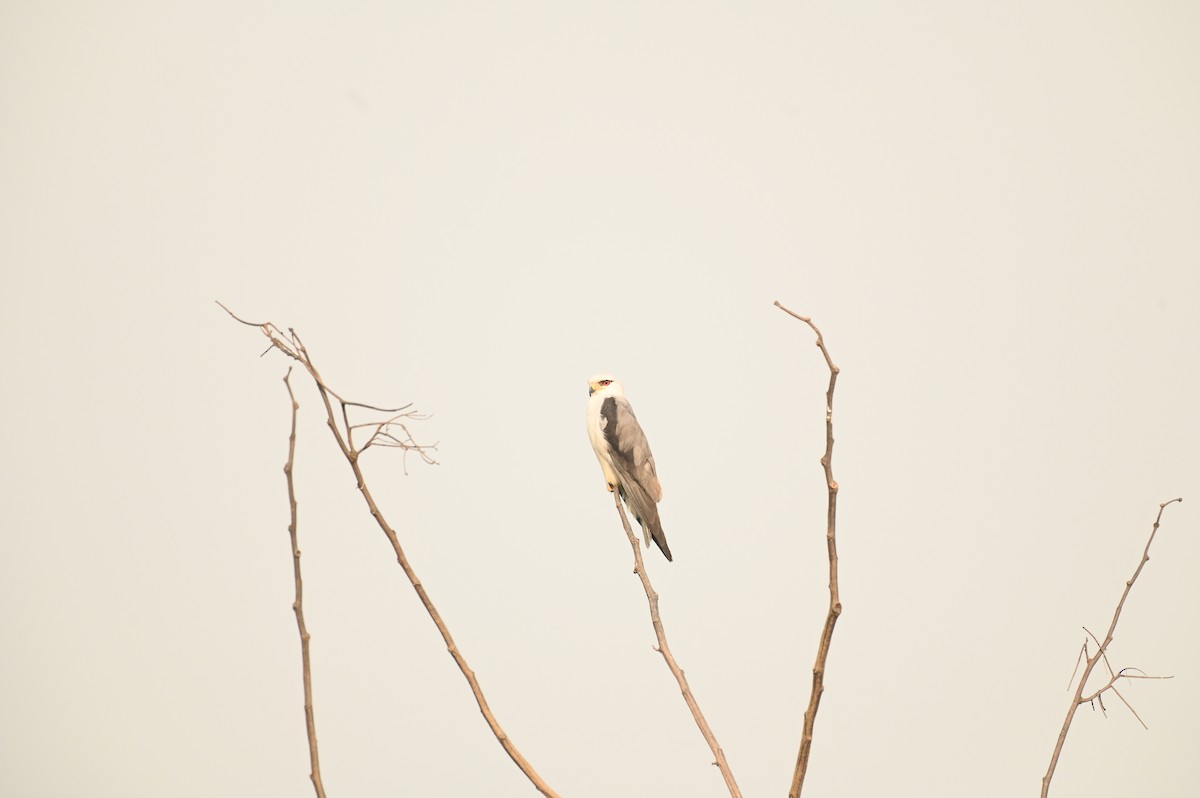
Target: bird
[{"x": 624, "y": 455}]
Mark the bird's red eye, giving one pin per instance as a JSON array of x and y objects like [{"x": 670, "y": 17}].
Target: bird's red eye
[{"x": 606, "y": 382}]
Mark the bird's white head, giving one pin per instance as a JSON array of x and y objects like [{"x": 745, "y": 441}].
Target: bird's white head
[{"x": 605, "y": 385}]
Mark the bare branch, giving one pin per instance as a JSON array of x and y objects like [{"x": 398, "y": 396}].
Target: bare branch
[
  {"x": 292, "y": 346},
  {"x": 835, "y": 600},
  {"x": 1130, "y": 708},
  {"x": 1081, "y": 658},
  {"x": 1079, "y": 699},
  {"x": 346, "y": 426},
  {"x": 298, "y": 605},
  {"x": 238, "y": 318},
  {"x": 1103, "y": 652},
  {"x": 1098, "y": 694},
  {"x": 382, "y": 409},
  {"x": 639, "y": 568}
]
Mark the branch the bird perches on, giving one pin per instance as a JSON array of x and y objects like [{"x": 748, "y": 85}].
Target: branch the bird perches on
[{"x": 639, "y": 568}]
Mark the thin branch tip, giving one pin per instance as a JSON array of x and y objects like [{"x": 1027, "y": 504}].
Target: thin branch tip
[{"x": 237, "y": 317}]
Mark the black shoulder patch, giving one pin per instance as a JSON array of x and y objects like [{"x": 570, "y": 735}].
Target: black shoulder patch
[{"x": 608, "y": 412}]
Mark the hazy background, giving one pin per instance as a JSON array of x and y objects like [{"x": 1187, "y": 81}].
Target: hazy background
[{"x": 992, "y": 210}]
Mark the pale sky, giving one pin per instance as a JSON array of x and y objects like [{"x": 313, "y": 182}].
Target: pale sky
[{"x": 992, "y": 211}]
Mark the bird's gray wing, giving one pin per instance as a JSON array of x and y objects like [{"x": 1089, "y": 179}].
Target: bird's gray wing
[
  {"x": 634, "y": 464},
  {"x": 630, "y": 449}
]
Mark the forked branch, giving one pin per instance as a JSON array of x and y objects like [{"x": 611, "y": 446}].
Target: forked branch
[
  {"x": 289, "y": 344},
  {"x": 835, "y": 600},
  {"x": 1091, "y": 660},
  {"x": 310, "y": 723},
  {"x": 639, "y": 568}
]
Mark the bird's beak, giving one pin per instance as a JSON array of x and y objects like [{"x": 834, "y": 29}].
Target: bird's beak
[{"x": 591, "y": 390}]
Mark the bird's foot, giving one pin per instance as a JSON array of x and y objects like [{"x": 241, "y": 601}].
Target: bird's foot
[{"x": 611, "y": 487}]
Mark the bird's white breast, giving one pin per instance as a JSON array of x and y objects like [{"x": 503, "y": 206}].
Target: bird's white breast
[{"x": 595, "y": 425}]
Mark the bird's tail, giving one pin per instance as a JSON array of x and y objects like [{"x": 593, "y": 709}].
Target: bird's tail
[
  {"x": 660, "y": 537},
  {"x": 646, "y": 512}
]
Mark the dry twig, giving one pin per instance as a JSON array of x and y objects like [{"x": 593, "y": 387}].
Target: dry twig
[
  {"x": 835, "y": 601},
  {"x": 639, "y": 568},
  {"x": 289, "y": 343},
  {"x": 298, "y": 605},
  {"x": 1102, "y": 654}
]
